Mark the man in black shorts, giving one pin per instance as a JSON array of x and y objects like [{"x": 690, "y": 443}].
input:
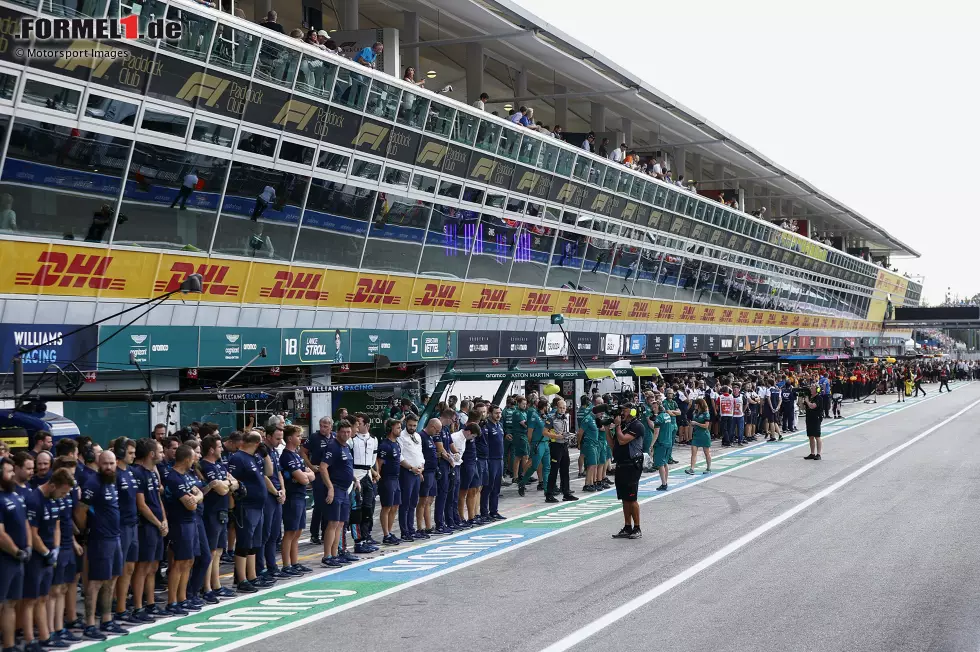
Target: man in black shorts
[
  {"x": 814, "y": 415},
  {"x": 626, "y": 441}
]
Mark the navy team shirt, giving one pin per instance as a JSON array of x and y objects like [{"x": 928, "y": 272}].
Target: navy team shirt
[
  {"x": 340, "y": 464},
  {"x": 493, "y": 438},
  {"x": 66, "y": 509},
  {"x": 127, "y": 489},
  {"x": 213, "y": 503},
  {"x": 247, "y": 469},
  {"x": 391, "y": 453},
  {"x": 102, "y": 499},
  {"x": 13, "y": 511},
  {"x": 429, "y": 452},
  {"x": 42, "y": 513},
  {"x": 148, "y": 484},
  {"x": 291, "y": 461},
  {"x": 176, "y": 486}
]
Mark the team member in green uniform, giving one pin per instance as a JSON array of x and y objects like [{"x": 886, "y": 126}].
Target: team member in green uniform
[
  {"x": 584, "y": 405},
  {"x": 537, "y": 421},
  {"x": 506, "y": 420},
  {"x": 518, "y": 429},
  {"x": 671, "y": 407},
  {"x": 701, "y": 437},
  {"x": 588, "y": 433},
  {"x": 664, "y": 442},
  {"x": 648, "y": 425}
]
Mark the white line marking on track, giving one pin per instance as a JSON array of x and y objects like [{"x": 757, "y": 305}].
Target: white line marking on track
[{"x": 622, "y": 611}]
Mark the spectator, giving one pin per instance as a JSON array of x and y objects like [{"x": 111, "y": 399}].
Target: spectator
[
  {"x": 368, "y": 56},
  {"x": 329, "y": 45},
  {"x": 589, "y": 142},
  {"x": 556, "y": 132},
  {"x": 618, "y": 155},
  {"x": 482, "y": 102},
  {"x": 272, "y": 22},
  {"x": 656, "y": 170},
  {"x": 518, "y": 116},
  {"x": 603, "y": 148},
  {"x": 297, "y": 34},
  {"x": 410, "y": 77},
  {"x": 528, "y": 119}
]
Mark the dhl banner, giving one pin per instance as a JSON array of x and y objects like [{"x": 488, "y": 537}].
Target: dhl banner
[
  {"x": 54, "y": 269},
  {"x": 893, "y": 284}
]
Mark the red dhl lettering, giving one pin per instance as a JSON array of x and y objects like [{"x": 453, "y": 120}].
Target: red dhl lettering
[
  {"x": 577, "y": 306},
  {"x": 666, "y": 311},
  {"x": 81, "y": 270},
  {"x": 687, "y": 314},
  {"x": 784, "y": 320},
  {"x": 708, "y": 315},
  {"x": 610, "y": 308},
  {"x": 378, "y": 291},
  {"x": 538, "y": 302},
  {"x": 743, "y": 316},
  {"x": 771, "y": 318},
  {"x": 295, "y": 285},
  {"x": 212, "y": 275},
  {"x": 640, "y": 310},
  {"x": 796, "y": 320},
  {"x": 438, "y": 295},
  {"x": 726, "y": 316},
  {"x": 492, "y": 301},
  {"x": 758, "y": 318}
]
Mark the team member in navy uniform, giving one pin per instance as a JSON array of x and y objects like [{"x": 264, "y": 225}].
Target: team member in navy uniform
[
  {"x": 245, "y": 467},
  {"x": 296, "y": 476},
  {"x": 389, "y": 487},
  {"x": 468, "y": 475},
  {"x": 312, "y": 452},
  {"x": 216, "y": 505},
  {"x": 787, "y": 395},
  {"x": 445, "y": 471},
  {"x": 202, "y": 554},
  {"x": 150, "y": 529},
  {"x": 339, "y": 460},
  {"x": 15, "y": 547},
  {"x": 99, "y": 509},
  {"x": 427, "y": 490},
  {"x": 410, "y": 478},
  {"x": 125, "y": 451},
  {"x": 493, "y": 438},
  {"x": 182, "y": 497},
  {"x": 265, "y": 561},
  {"x": 483, "y": 467},
  {"x": 64, "y": 571},
  {"x": 43, "y": 505}
]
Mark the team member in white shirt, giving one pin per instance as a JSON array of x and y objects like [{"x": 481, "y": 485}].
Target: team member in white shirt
[
  {"x": 410, "y": 479},
  {"x": 365, "y": 448}
]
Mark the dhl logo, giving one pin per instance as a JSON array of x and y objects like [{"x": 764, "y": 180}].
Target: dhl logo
[
  {"x": 202, "y": 85},
  {"x": 771, "y": 319},
  {"x": 784, "y": 320},
  {"x": 438, "y": 295},
  {"x": 432, "y": 154},
  {"x": 483, "y": 168},
  {"x": 824, "y": 323},
  {"x": 743, "y": 316},
  {"x": 213, "y": 276},
  {"x": 81, "y": 270},
  {"x": 528, "y": 182},
  {"x": 666, "y": 311},
  {"x": 378, "y": 291},
  {"x": 640, "y": 310},
  {"x": 538, "y": 302},
  {"x": 806, "y": 322},
  {"x": 758, "y": 318},
  {"x": 295, "y": 111},
  {"x": 688, "y": 313},
  {"x": 74, "y": 57},
  {"x": 796, "y": 320},
  {"x": 492, "y": 301},
  {"x": 727, "y": 316},
  {"x": 295, "y": 285},
  {"x": 708, "y": 315},
  {"x": 372, "y": 135},
  {"x": 610, "y": 308},
  {"x": 577, "y": 306}
]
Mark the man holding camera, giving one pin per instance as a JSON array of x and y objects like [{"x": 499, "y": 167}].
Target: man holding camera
[{"x": 627, "y": 443}]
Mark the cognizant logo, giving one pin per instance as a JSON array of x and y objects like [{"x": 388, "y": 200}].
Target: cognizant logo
[{"x": 63, "y": 29}]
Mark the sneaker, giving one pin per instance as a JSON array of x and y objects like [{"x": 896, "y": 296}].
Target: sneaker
[
  {"x": 636, "y": 533},
  {"x": 75, "y": 624},
  {"x": 227, "y": 558},
  {"x": 351, "y": 558},
  {"x": 817, "y": 458},
  {"x": 780, "y": 437},
  {"x": 112, "y": 627},
  {"x": 420, "y": 536},
  {"x": 672, "y": 461},
  {"x": 264, "y": 582},
  {"x": 142, "y": 617},
  {"x": 589, "y": 487},
  {"x": 243, "y": 587},
  {"x": 540, "y": 486},
  {"x": 33, "y": 646},
  {"x": 624, "y": 533},
  {"x": 811, "y": 456},
  {"x": 497, "y": 517},
  {"x": 67, "y": 636},
  {"x": 316, "y": 541},
  {"x": 197, "y": 601},
  {"x": 343, "y": 560},
  {"x": 407, "y": 538},
  {"x": 370, "y": 539},
  {"x": 689, "y": 471},
  {"x": 771, "y": 439},
  {"x": 363, "y": 550},
  {"x": 581, "y": 474},
  {"x": 569, "y": 497},
  {"x": 291, "y": 571},
  {"x": 210, "y": 597},
  {"x": 520, "y": 489},
  {"x": 225, "y": 592},
  {"x": 154, "y": 611},
  {"x": 550, "y": 499},
  {"x": 331, "y": 562},
  {"x": 706, "y": 472},
  {"x": 281, "y": 574},
  {"x": 189, "y": 605},
  {"x": 302, "y": 568},
  {"x": 92, "y": 633},
  {"x": 444, "y": 530},
  {"x": 53, "y": 642},
  {"x": 128, "y": 617},
  {"x": 390, "y": 540},
  {"x": 662, "y": 487}
]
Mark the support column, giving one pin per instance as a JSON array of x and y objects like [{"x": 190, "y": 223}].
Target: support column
[
  {"x": 410, "y": 34},
  {"x": 561, "y": 107},
  {"x": 747, "y": 201},
  {"x": 719, "y": 173},
  {"x": 351, "y": 19},
  {"x": 598, "y": 118},
  {"x": 474, "y": 72},
  {"x": 628, "y": 132},
  {"x": 321, "y": 403},
  {"x": 679, "y": 163},
  {"x": 520, "y": 82},
  {"x": 696, "y": 163}
]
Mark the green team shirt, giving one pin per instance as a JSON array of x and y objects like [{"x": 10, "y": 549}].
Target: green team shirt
[
  {"x": 507, "y": 416},
  {"x": 670, "y": 404},
  {"x": 516, "y": 418},
  {"x": 590, "y": 431},
  {"x": 536, "y": 424}
]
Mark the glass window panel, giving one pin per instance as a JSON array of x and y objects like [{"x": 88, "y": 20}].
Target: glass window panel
[
  {"x": 681, "y": 204},
  {"x": 473, "y": 195},
  {"x": 296, "y": 153},
  {"x": 397, "y": 234},
  {"x": 259, "y": 144},
  {"x": 8, "y": 84},
  {"x": 424, "y": 183},
  {"x": 50, "y": 96},
  {"x": 625, "y": 179},
  {"x": 611, "y": 179},
  {"x": 195, "y": 34},
  {"x": 531, "y": 253},
  {"x": 350, "y": 89},
  {"x": 597, "y": 173},
  {"x": 59, "y": 182},
  {"x": 566, "y": 161},
  {"x": 335, "y": 222},
  {"x": 510, "y": 143},
  {"x": 660, "y": 198},
  {"x": 699, "y": 210},
  {"x": 515, "y": 205},
  {"x": 493, "y": 249},
  {"x": 548, "y": 157},
  {"x": 581, "y": 169},
  {"x": 450, "y": 189},
  {"x": 213, "y": 134},
  {"x": 165, "y": 123},
  {"x": 487, "y": 136},
  {"x": 465, "y": 128},
  {"x": 551, "y": 213},
  {"x": 277, "y": 64},
  {"x": 566, "y": 260},
  {"x": 234, "y": 49},
  {"x": 383, "y": 100},
  {"x": 495, "y": 201},
  {"x": 366, "y": 169},
  {"x": 412, "y": 110},
  {"x": 599, "y": 257},
  {"x": 316, "y": 76},
  {"x": 440, "y": 119},
  {"x": 529, "y": 150},
  {"x": 332, "y": 161},
  {"x": 396, "y": 176},
  {"x": 77, "y": 9},
  {"x": 260, "y": 212},
  {"x": 649, "y": 191},
  {"x": 636, "y": 190},
  {"x": 171, "y": 198},
  {"x": 449, "y": 241},
  {"x": 111, "y": 110}
]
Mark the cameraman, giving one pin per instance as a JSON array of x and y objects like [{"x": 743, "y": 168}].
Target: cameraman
[{"x": 627, "y": 445}]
